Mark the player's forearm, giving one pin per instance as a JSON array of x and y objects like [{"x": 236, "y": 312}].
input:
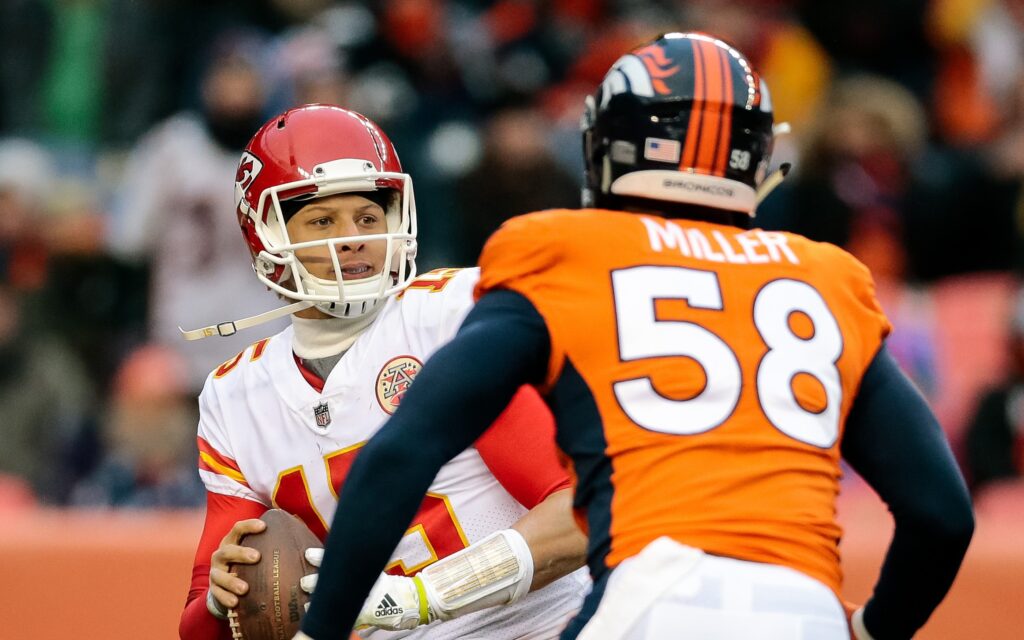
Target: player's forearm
[
  {"x": 894, "y": 441},
  {"x": 556, "y": 543},
  {"x": 918, "y": 571},
  {"x": 198, "y": 624}
]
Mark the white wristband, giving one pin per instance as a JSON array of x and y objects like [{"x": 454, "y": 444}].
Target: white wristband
[
  {"x": 215, "y": 607},
  {"x": 495, "y": 570},
  {"x": 857, "y": 624}
]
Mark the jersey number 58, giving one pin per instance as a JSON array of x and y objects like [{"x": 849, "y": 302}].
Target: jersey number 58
[{"x": 642, "y": 335}]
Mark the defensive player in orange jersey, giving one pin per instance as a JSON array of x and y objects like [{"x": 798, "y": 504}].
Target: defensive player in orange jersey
[{"x": 706, "y": 379}]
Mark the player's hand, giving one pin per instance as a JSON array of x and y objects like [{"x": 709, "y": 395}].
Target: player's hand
[
  {"x": 393, "y": 604},
  {"x": 225, "y": 587},
  {"x": 314, "y": 556}
]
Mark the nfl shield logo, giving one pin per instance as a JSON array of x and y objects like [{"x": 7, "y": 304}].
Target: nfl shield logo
[{"x": 323, "y": 415}]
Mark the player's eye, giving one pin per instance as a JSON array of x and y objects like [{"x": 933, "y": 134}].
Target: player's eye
[
  {"x": 368, "y": 220},
  {"x": 321, "y": 222}
]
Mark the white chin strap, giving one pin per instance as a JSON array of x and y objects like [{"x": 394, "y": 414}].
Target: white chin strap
[
  {"x": 225, "y": 329},
  {"x": 775, "y": 179}
]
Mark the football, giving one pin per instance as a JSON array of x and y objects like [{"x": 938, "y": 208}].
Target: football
[{"x": 273, "y": 607}]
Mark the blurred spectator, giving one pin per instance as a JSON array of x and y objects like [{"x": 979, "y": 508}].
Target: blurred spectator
[
  {"x": 50, "y": 237},
  {"x": 308, "y": 68},
  {"x": 995, "y": 437},
  {"x": 876, "y": 241},
  {"x": 885, "y": 37},
  {"x": 44, "y": 402},
  {"x": 107, "y": 296},
  {"x": 1006, "y": 163},
  {"x": 148, "y": 432},
  {"x": 516, "y": 175},
  {"x": 855, "y": 163},
  {"x": 174, "y": 211},
  {"x": 27, "y": 173}
]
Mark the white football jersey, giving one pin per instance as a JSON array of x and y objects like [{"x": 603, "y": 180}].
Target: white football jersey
[{"x": 266, "y": 434}]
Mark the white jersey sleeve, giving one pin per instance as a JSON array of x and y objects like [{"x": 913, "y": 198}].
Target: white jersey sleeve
[
  {"x": 438, "y": 301},
  {"x": 218, "y": 465}
]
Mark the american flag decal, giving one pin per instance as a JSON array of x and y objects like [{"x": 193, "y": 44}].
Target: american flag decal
[{"x": 662, "y": 150}]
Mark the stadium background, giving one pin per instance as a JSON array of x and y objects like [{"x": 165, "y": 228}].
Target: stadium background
[{"x": 120, "y": 123}]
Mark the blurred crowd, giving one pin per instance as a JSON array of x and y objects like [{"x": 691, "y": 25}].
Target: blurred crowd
[{"x": 121, "y": 122}]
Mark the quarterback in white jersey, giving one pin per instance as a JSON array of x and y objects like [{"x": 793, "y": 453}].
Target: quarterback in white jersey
[{"x": 281, "y": 423}]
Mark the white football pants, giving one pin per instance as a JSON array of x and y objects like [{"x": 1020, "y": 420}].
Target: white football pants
[{"x": 671, "y": 591}]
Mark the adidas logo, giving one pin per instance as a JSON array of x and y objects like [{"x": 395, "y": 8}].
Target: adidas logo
[{"x": 387, "y": 607}]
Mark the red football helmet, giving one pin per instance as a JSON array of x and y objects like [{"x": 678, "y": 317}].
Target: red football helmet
[{"x": 314, "y": 151}]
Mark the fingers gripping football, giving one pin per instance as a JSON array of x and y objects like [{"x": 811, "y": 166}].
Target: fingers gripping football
[
  {"x": 225, "y": 587},
  {"x": 314, "y": 556}
]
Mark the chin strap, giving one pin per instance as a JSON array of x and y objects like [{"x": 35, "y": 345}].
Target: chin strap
[
  {"x": 225, "y": 329},
  {"x": 772, "y": 181}
]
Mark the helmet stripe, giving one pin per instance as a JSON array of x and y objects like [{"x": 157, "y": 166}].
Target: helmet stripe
[
  {"x": 689, "y": 157},
  {"x": 725, "y": 131},
  {"x": 707, "y": 147}
]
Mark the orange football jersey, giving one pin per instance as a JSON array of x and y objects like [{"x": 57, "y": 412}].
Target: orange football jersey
[{"x": 722, "y": 362}]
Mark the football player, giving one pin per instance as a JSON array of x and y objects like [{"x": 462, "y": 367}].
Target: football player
[
  {"x": 330, "y": 219},
  {"x": 706, "y": 378}
]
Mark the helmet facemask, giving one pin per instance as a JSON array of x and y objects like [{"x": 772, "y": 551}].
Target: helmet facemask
[{"x": 280, "y": 268}]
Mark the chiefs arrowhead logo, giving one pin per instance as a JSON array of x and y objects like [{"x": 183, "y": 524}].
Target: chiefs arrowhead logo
[
  {"x": 394, "y": 380},
  {"x": 248, "y": 168}
]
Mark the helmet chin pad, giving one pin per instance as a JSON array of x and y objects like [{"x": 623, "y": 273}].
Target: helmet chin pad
[{"x": 351, "y": 289}]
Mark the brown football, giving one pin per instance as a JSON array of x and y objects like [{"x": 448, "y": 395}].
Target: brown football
[{"x": 275, "y": 603}]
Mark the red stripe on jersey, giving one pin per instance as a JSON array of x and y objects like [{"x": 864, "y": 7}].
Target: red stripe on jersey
[
  {"x": 206, "y": 447},
  {"x": 314, "y": 380}
]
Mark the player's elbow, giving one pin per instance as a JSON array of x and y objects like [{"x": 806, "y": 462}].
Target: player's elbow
[
  {"x": 947, "y": 521},
  {"x": 958, "y": 528}
]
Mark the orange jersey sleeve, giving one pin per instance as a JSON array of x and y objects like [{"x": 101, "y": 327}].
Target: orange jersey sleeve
[
  {"x": 722, "y": 363},
  {"x": 522, "y": 256}
]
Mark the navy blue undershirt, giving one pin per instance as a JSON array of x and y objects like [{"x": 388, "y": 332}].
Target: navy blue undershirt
[{"x": 892, "y": 439}]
